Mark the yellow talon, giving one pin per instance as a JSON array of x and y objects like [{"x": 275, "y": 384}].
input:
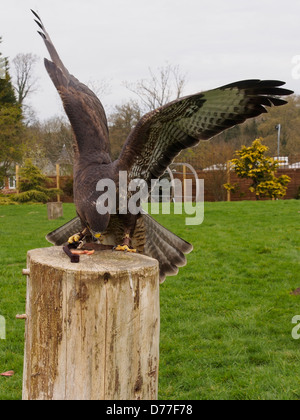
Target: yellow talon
[
  {"x": 124, "y": 248},
  {"x": 74, "y": 238}
]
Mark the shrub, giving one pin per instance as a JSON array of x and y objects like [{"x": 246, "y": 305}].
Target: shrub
[
  {"x": 32, "y": 196},
  {"x": 252, "y": 163},
  {"x": 33, "y": 186},
  {"x": 6, "y": 200}
]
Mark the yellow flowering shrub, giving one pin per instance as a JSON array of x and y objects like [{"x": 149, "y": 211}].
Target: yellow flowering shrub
[{"x": 252, "y": 163}]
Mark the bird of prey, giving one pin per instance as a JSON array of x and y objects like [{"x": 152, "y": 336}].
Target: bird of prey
[{"x": 150, "y": 148}]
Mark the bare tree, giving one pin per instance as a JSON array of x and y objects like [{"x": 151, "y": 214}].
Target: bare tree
[
  {"x": 25, "y": 82},
  {"x": 164, "y": 85},
  {"x": 100, "y": 87},
  {"x": 121, "y": 121}
]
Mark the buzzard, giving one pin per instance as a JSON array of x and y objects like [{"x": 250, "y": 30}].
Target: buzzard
[{"x": 150, "y": 148}]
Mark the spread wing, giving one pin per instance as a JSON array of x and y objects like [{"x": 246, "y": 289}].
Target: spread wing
[
  {"x": 161, "y": 134},
  {"x": 82, "y": 106}
]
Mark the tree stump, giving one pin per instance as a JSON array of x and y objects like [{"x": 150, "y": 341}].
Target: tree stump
[
  {"x": 55, "y": 210},
  {"x": 92, "y": 329}
]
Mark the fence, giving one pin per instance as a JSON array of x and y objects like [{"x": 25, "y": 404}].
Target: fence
[
  {"x": 244, "y": 184},
  {"x": 214, "y": 179}
]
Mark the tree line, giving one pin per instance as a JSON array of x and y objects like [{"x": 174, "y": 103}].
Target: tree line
[{"x": 46, "y": 143}]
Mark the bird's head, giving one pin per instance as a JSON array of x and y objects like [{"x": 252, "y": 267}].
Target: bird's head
[{"x": 97, "y": 224}]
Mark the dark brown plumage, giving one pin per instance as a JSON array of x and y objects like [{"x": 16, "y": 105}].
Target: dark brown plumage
[{"x": 150, "y": 148}]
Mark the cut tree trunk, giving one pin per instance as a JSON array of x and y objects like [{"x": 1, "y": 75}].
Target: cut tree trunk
[{"x": 92, "y": 329}]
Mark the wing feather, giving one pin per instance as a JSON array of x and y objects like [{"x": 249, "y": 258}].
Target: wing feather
[
  {"x": 161, "y": 134},
  {"x": 82, "y": 106}
]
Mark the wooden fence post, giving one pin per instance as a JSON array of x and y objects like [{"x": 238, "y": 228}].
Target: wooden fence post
[
  {"x": 58, "y": 180},
  {"x": 228, "y": 166},
  {"x": 55, "y": 210},
  {"x": 18, "y": 179},
  {"x": 92, "y": 329}
]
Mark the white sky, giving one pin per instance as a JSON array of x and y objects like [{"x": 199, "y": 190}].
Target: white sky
[{"x": 213, "y": 41}]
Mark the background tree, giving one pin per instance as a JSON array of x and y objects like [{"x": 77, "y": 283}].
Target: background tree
[
  {"x": 11, "y": 126},
  {"x": 289, "y": 118},
  {"x": 7, "y": 95},
  {"x": 51, "y": 142},
  {"x": 2, "y": 63},
  {"x": 11, "y": 139},
  {"x": 121, "y": 122},
  {"x": 252, "y": 163},
  {"x": 164, "y": 85},
  {"x": 25, "y": 81},
  {"x": 33, "y": 185},
  {"x": 100, "y": 87}
]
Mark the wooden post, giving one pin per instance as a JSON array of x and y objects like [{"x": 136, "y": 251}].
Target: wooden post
[
  {"x": 55, "y": 210},
  {"x": 58, "y": 180},
  {"x": 228, "y": 180},
  {"x": 17, "y": 179},
  {"x": 92, "y": 329}
]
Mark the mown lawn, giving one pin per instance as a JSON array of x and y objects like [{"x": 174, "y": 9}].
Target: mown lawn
[{"x": 226, "y": 319}]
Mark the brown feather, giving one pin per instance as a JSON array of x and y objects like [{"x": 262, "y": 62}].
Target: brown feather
[
  {"x": 161, "y": 135},
  {"x": 82, "y": 106}
]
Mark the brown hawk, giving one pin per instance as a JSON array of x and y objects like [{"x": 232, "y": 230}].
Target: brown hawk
[{"x": 149, "y": 149}]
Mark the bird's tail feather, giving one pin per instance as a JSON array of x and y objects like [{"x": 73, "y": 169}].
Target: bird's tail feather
[
  {"x": 161, "y": 244},
  {"x": 166, "y": 247},
  {"x": 61, "y": 235}
]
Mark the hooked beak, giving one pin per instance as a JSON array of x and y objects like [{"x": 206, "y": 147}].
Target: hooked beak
[{"x": 96, "y": 235}]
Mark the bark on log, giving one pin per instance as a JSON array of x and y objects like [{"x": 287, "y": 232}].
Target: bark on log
[{"x": 92, "y": 329}]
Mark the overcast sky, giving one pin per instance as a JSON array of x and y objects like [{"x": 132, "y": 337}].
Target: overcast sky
[{"x": 213, "y": 41}]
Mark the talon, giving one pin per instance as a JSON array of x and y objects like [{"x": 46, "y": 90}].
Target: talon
[
  {"x": 124, "y": 248},
  {"x": 74, "y": 238},
  {"x": 121, "y": 248}
]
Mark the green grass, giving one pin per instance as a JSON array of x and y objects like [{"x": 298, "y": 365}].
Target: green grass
[
  {"x": 21, "y": 228},
  {"x": 225, "y": 319}
]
